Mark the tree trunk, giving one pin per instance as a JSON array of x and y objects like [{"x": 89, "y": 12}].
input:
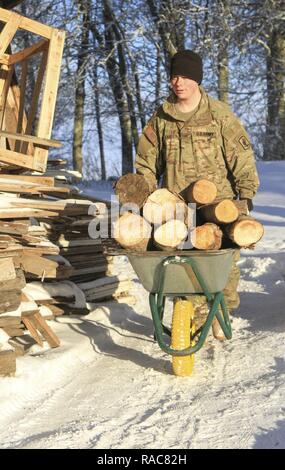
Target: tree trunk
[
  {"x": 275, "y": 131},
  {"x": 118, "y": 92},
  {"x": 83, "y": 7},
  {"x": 223, "y": 74},
  {"x": 162, "y": 18},
  {"x": 99, "y": 125}
]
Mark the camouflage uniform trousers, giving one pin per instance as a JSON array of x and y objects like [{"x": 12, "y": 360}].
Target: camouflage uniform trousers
[{"x": 201, "y": 307}]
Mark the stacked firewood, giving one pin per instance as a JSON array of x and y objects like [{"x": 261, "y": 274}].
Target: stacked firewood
[{"x": 164, "y": 220}]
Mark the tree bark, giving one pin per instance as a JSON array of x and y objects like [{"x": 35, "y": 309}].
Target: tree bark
[
  {"x": 223, "y": 212},
  {"x": 114, "y": 74},
  {"x": 99, "y": 125},
  {"x": 83, "y": 7},
  {"x": 274, "y": 148},
  {"x": 223, "y": 74}
]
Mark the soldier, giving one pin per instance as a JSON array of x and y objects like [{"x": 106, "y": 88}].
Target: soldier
[{"x": 194, "y": 136}]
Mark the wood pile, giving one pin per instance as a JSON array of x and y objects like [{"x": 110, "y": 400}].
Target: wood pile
[
  {"x": 165, "y": 220},
  {"x": 49, "y": 263}
]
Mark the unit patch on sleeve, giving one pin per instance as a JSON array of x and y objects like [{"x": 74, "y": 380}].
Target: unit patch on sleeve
[
  {"x": 244, "y": 142},
  {"x": 150, "y": 134}
]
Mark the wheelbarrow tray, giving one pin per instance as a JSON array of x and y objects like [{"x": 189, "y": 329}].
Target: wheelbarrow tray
[{"x": 213, "y": 266}]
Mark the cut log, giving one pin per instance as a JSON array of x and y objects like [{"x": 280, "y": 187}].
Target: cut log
[
  {"x": 207, "y": 237},
  {"x": 132, "y": 188},
  {"x": 132, "y": 232},
  {"x": 170, "y": 235},
  {"x": 202, "y": 191},
  {"x": 163, "y": 205},
  {"x": 223, "y": 212},
  {"x": 245, "y": 231}
]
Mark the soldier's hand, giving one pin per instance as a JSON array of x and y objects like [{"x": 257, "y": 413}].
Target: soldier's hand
[
  {"x": 249, "y": 203},
  {"x": 249, "y": 247}
]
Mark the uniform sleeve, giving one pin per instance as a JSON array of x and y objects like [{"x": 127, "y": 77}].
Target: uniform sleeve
[
  {"x": 240, "y": 158},
  {"x": 148, "y": 156}
]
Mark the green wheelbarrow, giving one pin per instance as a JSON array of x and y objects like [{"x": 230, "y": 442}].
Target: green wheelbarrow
[{"x": 178, "y": 275}]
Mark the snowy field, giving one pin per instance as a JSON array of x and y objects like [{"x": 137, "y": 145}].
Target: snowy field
[{"x": 109, "y": 386}]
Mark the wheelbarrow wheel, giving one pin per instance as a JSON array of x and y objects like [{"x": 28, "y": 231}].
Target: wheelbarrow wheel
[{"x": 183, "y": 329}]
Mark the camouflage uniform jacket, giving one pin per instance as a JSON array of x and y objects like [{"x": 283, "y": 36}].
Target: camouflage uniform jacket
[{"x": 212, "y": 144}]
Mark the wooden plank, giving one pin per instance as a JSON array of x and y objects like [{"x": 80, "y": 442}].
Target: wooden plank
[
  {"x": 49, "y": 94},
  {"x": 9, "y": 31},
  {"x": 8, "y": 321},
  {"x": 22, "y": 213},
  {"x": 7, "y": 362},
  {"x": 18, "y": 159},
  {"x": 42, "y": 180},
  {"x": 28, "y": 52},
  {"x": 9, "y": 301},
  {"x": 18, "y": 282},
  {"x": 29, "y": 25},
  {"x": 23, "y": 83},
  {"x": 51, "y": 83},
  {"x": 32, "y": 330},
  {"x": 7, "y": 269},
  {"x": 39, "y": 266},
  {"x": 13, "y": 188},
  {"x": 45, "y": 330},
  {"x": 5, "y": 59},
  {"x": 12, "y": 113},
  {"x": 32, "y": 139},
  {"x": 35, "y": 98},
  {"x": 28, "y": 305},
  {"x": 12, "y": 331},
  {"x": 5, "y": 80}
]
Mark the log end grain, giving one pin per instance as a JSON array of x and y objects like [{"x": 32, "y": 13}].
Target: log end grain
[
  {"x": 202, "y": 191},
  {"x": 170, "y": 235},
  {"x": 207, "y": 237},
  {"x": 246, "y": 232},
  {"x": 132, "y": 232},
  {"x": 132, "y": 188}
]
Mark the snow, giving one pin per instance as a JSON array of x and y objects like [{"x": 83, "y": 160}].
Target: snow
[{"x": 109, "y": 386}]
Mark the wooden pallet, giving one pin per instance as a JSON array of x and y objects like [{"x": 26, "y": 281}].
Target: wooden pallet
[{"x": 18, "y": 147}]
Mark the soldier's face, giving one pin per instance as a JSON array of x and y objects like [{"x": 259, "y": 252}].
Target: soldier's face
[{"x": 183, "y": 87}]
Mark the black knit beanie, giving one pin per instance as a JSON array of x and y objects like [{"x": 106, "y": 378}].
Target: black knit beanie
[{"x": 187, "y": 64}]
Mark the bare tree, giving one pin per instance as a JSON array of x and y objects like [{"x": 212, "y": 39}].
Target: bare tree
[{"x": 82, "y": 60}]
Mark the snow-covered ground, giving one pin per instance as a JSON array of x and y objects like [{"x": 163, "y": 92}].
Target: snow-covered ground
[{"x": 109, "y": 386}]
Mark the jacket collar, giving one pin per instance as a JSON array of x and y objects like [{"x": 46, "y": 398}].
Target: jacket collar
[{"x": 201, "y": 117}]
